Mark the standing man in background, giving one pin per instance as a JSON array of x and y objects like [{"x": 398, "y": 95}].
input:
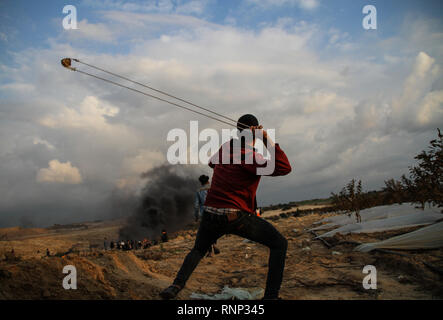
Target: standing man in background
[
  {"x": 200, "y": 196},
  {"x": 200, "y": 199}
]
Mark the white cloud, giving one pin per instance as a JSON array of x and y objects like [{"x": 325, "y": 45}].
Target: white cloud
[
  {"x": 37, "y": 140},
  {"x": 19, "y": 87},
  {"x": 133, "y": 167},
  {"x": 317, "y": 109},
  {"x": 146, "y": 23},
  {"x": 303, "y": 4},
  {"x": 195, "y": 7},
  {"x": 99, "y": 32},
  {"x": 146, "y": 159},
  {"x": 91, "y": 114},
  {"x": 340, "y": 40},
  {"x": 146, "y": 6},
  {"x": 192, "y": 7},
  {"x": 308, "y": 4},
  {"x": 419, "y": 105},
  {"x": 59, "y": 172},
  {"x": 431, "y": 109},
  {"x": 322, "y": 101}
]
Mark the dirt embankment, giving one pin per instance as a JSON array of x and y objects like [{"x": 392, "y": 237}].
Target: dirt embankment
[
  {"x": 312, "y": 271},
  {"x": 18, "y": 232}
]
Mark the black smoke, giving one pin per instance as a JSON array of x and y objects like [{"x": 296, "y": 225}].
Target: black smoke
[{"x": 165, "y": 202}]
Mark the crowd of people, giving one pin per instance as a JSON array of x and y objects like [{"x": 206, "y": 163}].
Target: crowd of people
[{"x": 134, "y": 244}]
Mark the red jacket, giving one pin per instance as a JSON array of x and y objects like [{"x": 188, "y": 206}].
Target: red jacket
[{"x": 235, "y": 185}]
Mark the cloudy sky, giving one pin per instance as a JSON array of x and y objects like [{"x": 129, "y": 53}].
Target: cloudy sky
[{"x": 345, "y": 102}]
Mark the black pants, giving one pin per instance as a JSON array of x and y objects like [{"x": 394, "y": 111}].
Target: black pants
[{"x": 247, "y": 226}]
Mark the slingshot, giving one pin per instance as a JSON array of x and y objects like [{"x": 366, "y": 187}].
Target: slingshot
[{"x": 67, "y": 63}]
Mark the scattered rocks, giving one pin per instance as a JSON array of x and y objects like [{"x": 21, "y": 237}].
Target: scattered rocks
[
  {"x": 403, "y": 279},
  {"x": 305, "y": 243}
]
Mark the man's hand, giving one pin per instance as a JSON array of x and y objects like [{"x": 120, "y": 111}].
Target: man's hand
[{"x": 266, "y": 139}]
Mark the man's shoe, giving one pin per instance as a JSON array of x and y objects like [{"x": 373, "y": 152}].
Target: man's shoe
[{"x": 170, "y": 292}]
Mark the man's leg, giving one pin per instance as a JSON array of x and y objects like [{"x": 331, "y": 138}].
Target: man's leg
[
  {"x": 261, "y": 231},
  {"x": 207, "y": 234}
]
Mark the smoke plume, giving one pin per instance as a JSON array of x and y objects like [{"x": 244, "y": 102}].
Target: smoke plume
[{"x": 165, "y": 202}]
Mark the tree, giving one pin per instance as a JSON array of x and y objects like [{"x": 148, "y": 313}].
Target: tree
[
  {"x": 426, "y": 178},
  {"x": 350, "y": 199},
  {"x": 395, "y": 191}
]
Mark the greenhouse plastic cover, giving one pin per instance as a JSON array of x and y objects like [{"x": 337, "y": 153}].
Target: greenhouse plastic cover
[
  {"x": 375, "y": 213},
  {"x": 425, "y": 238},
  {"x": 410, "y": 220}
]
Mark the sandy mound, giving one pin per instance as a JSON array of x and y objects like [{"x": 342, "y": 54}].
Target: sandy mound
[
  {"x": 19, "y": 232},
  {"x": 312, "y": 271}
]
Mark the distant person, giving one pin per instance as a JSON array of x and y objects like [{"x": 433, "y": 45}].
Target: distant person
[
  {"x": 164, "y": 236},
  {"x": 48, "y": 254},
  {"x": 230, "y": 205},
  {"x": 105, "y": 244},
  {"x": 111, "y": 246},
  {"x": 146, "y": 243},
  {"x": 200, "y": 198}
]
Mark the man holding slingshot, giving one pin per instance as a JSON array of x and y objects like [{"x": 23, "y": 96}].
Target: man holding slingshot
[{"x": 230, "y": 204}]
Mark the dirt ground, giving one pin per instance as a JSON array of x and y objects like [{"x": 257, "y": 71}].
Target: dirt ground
[
  {"x": 312, "y": 271},
  {"x": 271, "y": 213}
]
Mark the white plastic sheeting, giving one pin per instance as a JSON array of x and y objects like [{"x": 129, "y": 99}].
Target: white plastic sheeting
[
  {"x": 375, "y": 213},
  {"x": 425, "y": 238},
  {"x": 231, "y": 293},
  {"x": 410, "y": 220}
]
